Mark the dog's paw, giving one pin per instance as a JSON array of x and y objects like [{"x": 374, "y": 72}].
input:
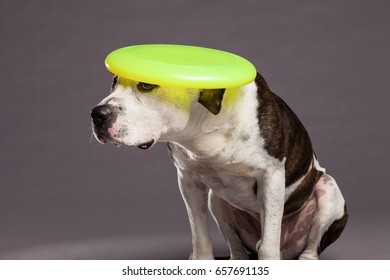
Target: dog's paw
[
  {"x": 267, "y": 254},
  {"x": 307, "y": 255},
  {"x": 239, "y": 257},
  {"x": 201, "y": 256}
]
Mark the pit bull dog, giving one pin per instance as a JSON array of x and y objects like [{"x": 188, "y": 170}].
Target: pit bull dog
[{"x": 240, "y": 153}]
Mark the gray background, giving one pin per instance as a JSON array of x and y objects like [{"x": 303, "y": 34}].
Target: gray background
[{"x": 65, "y": 196}]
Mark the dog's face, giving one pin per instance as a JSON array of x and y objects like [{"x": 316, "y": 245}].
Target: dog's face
[{"x": 139, "y": 114}]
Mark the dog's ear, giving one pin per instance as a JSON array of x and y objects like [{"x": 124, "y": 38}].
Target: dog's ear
[{"x": 212, "y": 99}]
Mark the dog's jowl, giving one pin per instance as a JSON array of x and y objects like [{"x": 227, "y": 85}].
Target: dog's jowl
[{"x": 240, "y": 153}]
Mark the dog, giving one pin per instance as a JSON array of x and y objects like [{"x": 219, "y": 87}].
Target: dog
[{"x": 240, "y": 153}]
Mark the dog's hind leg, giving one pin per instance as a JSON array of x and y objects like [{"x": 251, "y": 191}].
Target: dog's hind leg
[
  {"x": 329, "y": 220},
  {"x": 240, "y": 230}
]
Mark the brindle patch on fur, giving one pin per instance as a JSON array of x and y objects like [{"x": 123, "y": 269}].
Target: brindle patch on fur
[
  {"x": 333, "y": 232},
  {"x": 283, "y": 133},
  {"x": 298, "y": 198}
]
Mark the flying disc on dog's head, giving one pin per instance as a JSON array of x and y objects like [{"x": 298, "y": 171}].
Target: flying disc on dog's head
[{"x": 181, "y": 66}]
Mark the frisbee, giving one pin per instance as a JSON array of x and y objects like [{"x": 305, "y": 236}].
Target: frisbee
[{"x": 181, "y": 66}]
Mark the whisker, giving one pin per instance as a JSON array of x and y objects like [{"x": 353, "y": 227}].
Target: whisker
[{"x": 90, "y": 130}]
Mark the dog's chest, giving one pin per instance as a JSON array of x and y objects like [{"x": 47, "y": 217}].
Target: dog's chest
[
  {"x": 235, "y": 184},
  {"x": 234, "y": 179}
]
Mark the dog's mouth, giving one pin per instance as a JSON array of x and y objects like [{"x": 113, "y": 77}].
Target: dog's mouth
[
  {"x": 147, "y": 145},
  {"x": 101, "y": 136},
  {"x": 104, "y": 137}
]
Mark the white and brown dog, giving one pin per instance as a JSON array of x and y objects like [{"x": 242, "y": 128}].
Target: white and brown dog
[{"x": 240, "y": 153}]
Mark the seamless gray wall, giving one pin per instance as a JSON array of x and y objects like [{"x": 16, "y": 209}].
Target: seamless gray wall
[{"x": 329, "y": 60}]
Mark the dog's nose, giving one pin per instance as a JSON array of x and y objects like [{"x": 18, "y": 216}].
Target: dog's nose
[{"x": 101, "y": 114}]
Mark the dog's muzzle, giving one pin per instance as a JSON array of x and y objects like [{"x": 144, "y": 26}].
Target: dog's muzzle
[{"x": 102, "y": 117}]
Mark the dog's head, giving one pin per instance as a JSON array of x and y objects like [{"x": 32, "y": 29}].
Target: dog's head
[{"x": 139, "y": 114}]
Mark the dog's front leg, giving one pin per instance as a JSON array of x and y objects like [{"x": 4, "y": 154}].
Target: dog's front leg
[
  {"x": 271, "y": 199},
  {"x": 195, "y": 195}
]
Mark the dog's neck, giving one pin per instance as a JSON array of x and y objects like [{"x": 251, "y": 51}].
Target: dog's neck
[{"x": 205, "y": 132}]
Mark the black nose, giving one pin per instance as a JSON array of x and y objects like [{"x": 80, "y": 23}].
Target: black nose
[{"x": 101, "y": 114}]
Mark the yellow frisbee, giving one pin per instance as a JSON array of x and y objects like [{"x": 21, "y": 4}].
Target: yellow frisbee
[{"x": 181, "y": 66}]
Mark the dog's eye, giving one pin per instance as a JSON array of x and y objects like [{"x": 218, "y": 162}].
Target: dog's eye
[{"x": 145, "y": 87}]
